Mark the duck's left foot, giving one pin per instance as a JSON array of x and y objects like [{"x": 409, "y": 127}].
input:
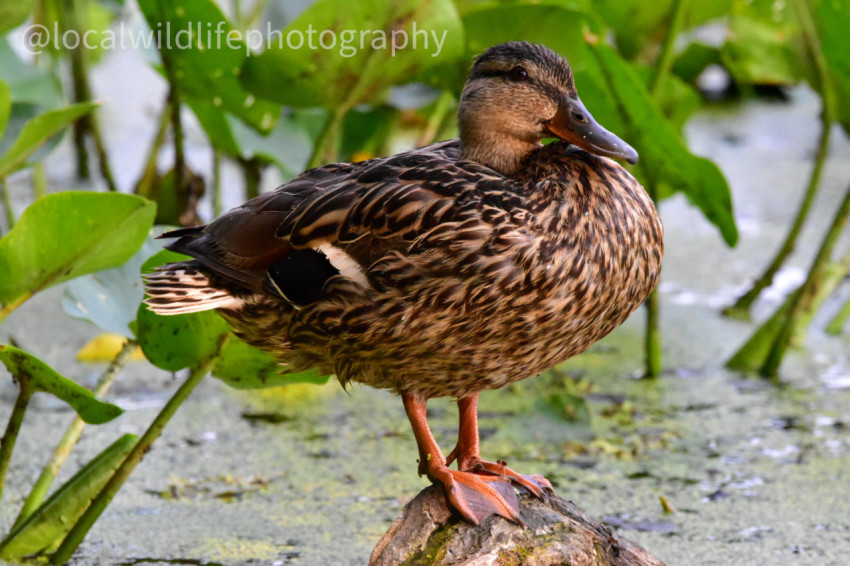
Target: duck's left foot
[{"x": 539, "y": 486}]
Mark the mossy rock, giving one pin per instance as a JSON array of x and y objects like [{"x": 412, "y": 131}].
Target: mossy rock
[{"x": 556, "y": 532}]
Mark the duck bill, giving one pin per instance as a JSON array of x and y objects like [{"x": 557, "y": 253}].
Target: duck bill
[{"x": 574, "y": 124}]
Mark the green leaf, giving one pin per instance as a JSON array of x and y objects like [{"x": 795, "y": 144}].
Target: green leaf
[
  {"x": 562, "y": 32},
  {"x": 47, "y": 526},
  {"x": 345, "y": 75},
  {"x": 368, "y": 131},
  {"x": 287, "y": 146},
  {"x": 764, "y": 44},
  {"x": 92, "y": 20},
  {"x": 110, "y": 299},
  {"x": 641, "y": 26},
  {"x": 22, "y": 113},
  {"x": 39, "y": 130},
  {"x": 5, "y": 106},
  {"x": 180, "y": 341},
  {"x": 207, "y": 63},
  {"x": 244, "y": 367},
  {"x": 832, "y": 19},
  {"x": 65, "y": 235},
  {"x": 41, "y": 377},
  {"x": 14, "y": 13},
  {"x": 215, "y": 124},
  {"x": 665, "y": 158},
  {"x": 676, "y": 99}
]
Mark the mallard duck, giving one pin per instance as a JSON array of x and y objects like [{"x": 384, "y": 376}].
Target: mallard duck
[{"x": 449, "y": 270}]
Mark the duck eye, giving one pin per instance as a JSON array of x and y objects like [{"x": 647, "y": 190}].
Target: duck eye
[
  {"x": 578, "y": 116},
  {"x": 518, "y": 74}
]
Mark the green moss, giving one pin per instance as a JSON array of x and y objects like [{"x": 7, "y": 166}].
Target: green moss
[{"x": 435, "y": 548}]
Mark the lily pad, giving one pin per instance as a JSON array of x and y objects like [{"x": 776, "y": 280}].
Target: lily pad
[
  {"x": 109, "y": 299},
  {"x": 41, "y": 377},
  {"x": 65, "y": 235},
  {"x": 181, "y": 341},
  {"x": 244, "y": 367}
]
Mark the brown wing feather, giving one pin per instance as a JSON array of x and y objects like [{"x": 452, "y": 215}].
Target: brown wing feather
[{"x": 419, "y": 199}]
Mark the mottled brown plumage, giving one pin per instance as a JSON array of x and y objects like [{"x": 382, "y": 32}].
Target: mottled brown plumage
[{"x": 456, "y": 268}]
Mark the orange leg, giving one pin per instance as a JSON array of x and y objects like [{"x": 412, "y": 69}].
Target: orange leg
[
  {"x": 475, "y": 496},
  {"x": 468, "y": 453}
]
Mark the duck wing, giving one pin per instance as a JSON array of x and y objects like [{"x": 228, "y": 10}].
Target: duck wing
[{"x": 344, "y": 218}]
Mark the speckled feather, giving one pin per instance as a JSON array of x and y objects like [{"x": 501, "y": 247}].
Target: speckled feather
[
  {"x": 459, "y": 267},
  {"x": 475, "y": 280}
]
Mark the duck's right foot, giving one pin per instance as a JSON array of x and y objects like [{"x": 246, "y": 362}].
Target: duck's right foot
[{"x": 477, "y": 496}]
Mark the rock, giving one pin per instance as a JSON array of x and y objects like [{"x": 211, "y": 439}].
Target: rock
[{"x": 555, "y": 533}]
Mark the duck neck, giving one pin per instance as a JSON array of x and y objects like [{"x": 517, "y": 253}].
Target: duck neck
[{"x": 502, "y": 153}]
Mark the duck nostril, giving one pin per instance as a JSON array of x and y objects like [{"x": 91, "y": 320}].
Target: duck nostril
[{"x": 578, "y": 117}]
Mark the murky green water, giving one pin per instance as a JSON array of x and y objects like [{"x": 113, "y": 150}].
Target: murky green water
[{"x": 757, "y": 475}]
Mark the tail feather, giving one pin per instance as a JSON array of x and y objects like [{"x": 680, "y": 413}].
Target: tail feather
[{"x": 179, "y": 288}]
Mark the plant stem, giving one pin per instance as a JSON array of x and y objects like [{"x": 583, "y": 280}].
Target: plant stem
[
  {"x": 7, "y": 444},
  {"x": 652, "y": 338},
  {"x": 7, "y": 204},
  {"x": 255, "y": 13},
  {"x": 216, "y": 165},
  {"x": 102, "y": 156},
  {"x": 325, "y": 146},
  {"x": 71, "y": 15},
  {"x": 39, "y": 181},
  {"x": 9, "y": 307},
  {"x": 802, "y": 302},
  {"x": 742, "y": 306},
  {"x": 177, "y": 130},
  {"x": 436, "y": 119},
  {"x": 149, "y": 173},
  {"x": 237, "y": 15},
  {"x": 836, "y": 325},
  {"x": 252, "y": 168},
  {"x": 84, "y": 524},
  {"x": 828, "y": 112},
  {"x": 176, "y": 122},
  {"x": 751, "y": 356},
  {"x": 665, "y": 59},
  {"x": 69, "y": 440},
  {"x": 67, "y": 22}
]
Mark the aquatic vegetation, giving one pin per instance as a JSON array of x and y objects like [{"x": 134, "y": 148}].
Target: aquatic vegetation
[{"x": 640, "y": 66}]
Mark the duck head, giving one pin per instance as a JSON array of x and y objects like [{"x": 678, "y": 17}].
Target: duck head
[{"x": 518, "y": 93}]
